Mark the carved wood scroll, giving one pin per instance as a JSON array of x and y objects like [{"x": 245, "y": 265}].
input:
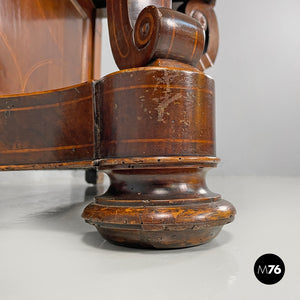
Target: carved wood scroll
[
  {"x": 160, "y": 32},
  {"x": 205, "y": 14}
]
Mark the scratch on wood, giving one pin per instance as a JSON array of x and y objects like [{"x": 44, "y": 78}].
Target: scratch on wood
[
  {"x": 167, "y": 96},
  {"x": 164, "y": 104}
]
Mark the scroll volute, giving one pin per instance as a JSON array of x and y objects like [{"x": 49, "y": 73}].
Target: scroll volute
[
  {"x": 203, "y": 11},
  {"x": 135, "y": 7},
  {"x": 140, "y": 33}
]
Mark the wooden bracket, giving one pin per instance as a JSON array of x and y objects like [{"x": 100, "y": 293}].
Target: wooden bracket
[
  {"x": 205, "y": 14},
  {"x": 156, "y": 34}
]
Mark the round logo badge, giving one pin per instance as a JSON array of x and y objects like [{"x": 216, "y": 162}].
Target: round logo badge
[{"x": 269, "y": 268}]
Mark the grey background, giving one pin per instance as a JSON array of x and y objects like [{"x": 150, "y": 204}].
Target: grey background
[{"x": 257, "y": 87}]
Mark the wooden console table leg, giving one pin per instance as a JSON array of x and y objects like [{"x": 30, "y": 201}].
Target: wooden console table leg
[{"x": 157, "y": 137}]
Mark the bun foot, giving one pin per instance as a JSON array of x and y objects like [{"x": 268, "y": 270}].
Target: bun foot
[
  {"x": 161, "y": 208},
  {"x": 164, "y": 239},
  {"x": 161, "y": 227}
]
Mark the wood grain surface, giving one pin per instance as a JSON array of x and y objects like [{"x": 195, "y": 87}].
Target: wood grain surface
[
  {"x": 154, "y": 35},
  {"x": 157, "y": 129},
  {"x": 157, "y": 111},
  {"x": 51, "y": 127},
  {"x": 45, "y": 44},
  {"x": 150, "y": 127}
]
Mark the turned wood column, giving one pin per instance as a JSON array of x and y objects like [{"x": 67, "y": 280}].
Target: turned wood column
[{"x": 157, "y": 128}]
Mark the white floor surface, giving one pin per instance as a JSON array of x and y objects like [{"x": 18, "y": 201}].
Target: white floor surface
[{"x": 48, "y": 252}]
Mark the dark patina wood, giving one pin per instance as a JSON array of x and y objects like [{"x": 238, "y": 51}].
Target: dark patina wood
[
  {"x": 205, "y": 14},
  {"x": 156, "y": 111},
  {"x": 54, "y": 127},
  {"x": 157, "y": 129},
  {"x": 150, "y": 126},
  {"x": 153, "y": 35},
  {"x": 45, "y": 45}
]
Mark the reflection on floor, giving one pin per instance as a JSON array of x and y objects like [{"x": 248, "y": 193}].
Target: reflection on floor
[{"x": 48, "y": 252}]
